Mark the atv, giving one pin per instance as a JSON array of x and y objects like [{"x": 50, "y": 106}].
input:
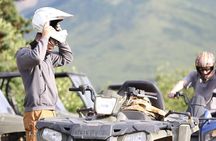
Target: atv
[
  {"x": 11, "y": 125},
  {"x": 135, "y": 113},
  {"x": 11, "y": 120},
  {"x": 207, "y": 119},
  {"x": 76, "y": 79}
]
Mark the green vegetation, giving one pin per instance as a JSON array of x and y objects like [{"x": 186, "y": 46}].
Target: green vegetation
[
  {"x": 10, "y": 36},
  {"x": 11, "y": 39},
  {"x": 165, "y": 80}
]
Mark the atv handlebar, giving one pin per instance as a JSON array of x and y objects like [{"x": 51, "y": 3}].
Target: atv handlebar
[
  {"x": 179, "y": 113},
  {"x": 140, "y": 93},
  {"x": 83, "y": 89},
  {"x": 180, "y": 94}
]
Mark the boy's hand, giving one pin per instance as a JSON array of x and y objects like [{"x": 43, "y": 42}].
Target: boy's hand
[{"x": 171, "y": 95}]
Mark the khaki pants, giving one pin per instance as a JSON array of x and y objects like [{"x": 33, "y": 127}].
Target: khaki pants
[{"x": 30, "y": 119}]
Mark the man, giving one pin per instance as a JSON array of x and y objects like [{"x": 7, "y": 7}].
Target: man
[
  {"x": 36, "y": 64},
  {"x": 203, "y": 80}
]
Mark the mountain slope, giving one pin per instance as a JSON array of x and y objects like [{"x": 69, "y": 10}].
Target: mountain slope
[{"x": 116, "y": 40}]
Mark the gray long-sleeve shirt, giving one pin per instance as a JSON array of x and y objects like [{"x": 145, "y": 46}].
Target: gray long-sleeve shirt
[
  {"x": 36, "y": 67},
  {"x": 204, "y": 89}
]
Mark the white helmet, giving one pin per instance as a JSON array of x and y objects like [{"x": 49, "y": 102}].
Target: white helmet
[
  {"x": 205, "y": 63},
  {"x": 49, "y": 14}
]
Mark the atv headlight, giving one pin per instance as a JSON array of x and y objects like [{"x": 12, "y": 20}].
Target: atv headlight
[
  {"x": 135, "y": 137},
  {"x": 51, "y": 135},
  {"x": 105, "y": 105}
]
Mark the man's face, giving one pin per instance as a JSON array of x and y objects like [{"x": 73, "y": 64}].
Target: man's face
[{"x": 51, "y": 44}]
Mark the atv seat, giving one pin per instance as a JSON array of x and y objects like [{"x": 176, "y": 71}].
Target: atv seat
[
  {"x": 134, "y": 115},
  {"x": 147, "y": 86},
  {"x": 5, "y": 107}
]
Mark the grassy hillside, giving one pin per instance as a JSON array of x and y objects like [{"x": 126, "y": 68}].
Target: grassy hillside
[{"x": 116, "y": 40}]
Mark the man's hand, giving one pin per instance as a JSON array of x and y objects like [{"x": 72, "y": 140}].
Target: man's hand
[{"x": 47, "y": 29}]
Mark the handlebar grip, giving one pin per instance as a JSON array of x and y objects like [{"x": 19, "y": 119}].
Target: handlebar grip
[
  {"x": 74, "y": 89},
  {"x": 178, "y": 94}
]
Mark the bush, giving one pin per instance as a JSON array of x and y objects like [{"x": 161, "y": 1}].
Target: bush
[{"x": 166, "y": 79}]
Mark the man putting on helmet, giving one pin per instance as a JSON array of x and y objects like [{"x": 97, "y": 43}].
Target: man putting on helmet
[
  {"x": 36, "y": 64},
  {"x": 203, "y": 80}
]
